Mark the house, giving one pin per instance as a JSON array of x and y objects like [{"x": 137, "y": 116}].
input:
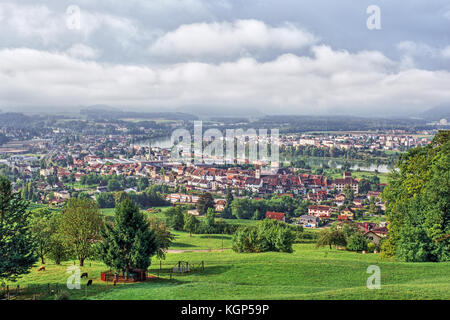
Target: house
[
  {"x": 275, "y": 216},
  {"x": 194, "y": 212},
  {"x": 62, "y": 195},
  {"x": 219, "y": 205},
  {"x": 376, "y": 235},
  {"x": 317, "y": 196},
  {"x": 358, "y": 201},
  {"x": 102, "y": 189},
  {"x": 253, "y": 184},
  {"x": 339, "y": 184},
  {"x": 342, "y": 217},
  {"x": 373, "y": 194},
  {"x": 200, "y": 183},
  {"x": 381, "y": 231},
  {"x": 319, "y": 211},
  {"x": 182, "y": 198},
  {"x": 348, "y": 213},
  {"x": 309, "y": 221},
  {"x": 78, "y": 176},
  {"x": 339, "y": 197},
  {"x": 367, "y": 226}
]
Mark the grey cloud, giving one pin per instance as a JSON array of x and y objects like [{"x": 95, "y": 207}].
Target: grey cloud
[
  {"x": 230, "y": 40},
  {"x": 288, "y": 56},
  {"x": 288, "y": 84}
]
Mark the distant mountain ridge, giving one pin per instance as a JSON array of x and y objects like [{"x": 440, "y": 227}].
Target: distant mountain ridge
[
  {"x": 436, "y": 113},
  {"x": 220, "y": 111},
  {"x": 107, "y": 112}
]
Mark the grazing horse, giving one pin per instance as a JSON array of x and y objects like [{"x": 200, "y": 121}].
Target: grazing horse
[
  {"x": 41, "y": 268},
  {"x": 84, "y": 275}
]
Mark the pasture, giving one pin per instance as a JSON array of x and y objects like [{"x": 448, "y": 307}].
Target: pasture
[{"x": 308, "y": 273}]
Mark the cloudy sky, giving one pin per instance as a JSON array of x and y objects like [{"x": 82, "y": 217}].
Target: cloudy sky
[{"x": 283, "y": 56}]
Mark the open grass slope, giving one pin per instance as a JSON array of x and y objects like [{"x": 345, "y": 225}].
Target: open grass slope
[
  {"x": 184, "y": 241},
  {"x": 308, "y": 273}
]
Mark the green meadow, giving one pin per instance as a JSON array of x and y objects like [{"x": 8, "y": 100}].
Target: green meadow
[
  {"x": 185, "y": 241},
  {"x": 307, "y": 273},
  {"x": 364, "y": 174}
]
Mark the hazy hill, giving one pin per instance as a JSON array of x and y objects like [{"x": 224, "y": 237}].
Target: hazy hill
[{"x": 437, "y": 113}]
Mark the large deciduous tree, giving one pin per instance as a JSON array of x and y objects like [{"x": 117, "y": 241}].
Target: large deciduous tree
[
  {"x": 417, "y": 204},
  {"x": 268, "y": 235},
  {"x": 163, "y": 235},
  {"x": 42, "y": 228},
  {"x": 227, "y": 211},
  {"x": 331, "y": 236},
  {"x": 175, "y": 217},
  {"x": 191, "y": 223},
  {"x": 205, "y": 201},
  {"x": 80, "y": 225}
]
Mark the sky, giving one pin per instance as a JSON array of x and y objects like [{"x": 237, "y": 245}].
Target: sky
[{"x": 276, "y": 57}]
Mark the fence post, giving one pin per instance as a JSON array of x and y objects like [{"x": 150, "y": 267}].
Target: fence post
[{"x": 203, "y": 265}]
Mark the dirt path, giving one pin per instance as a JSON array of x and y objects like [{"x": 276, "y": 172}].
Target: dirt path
[{"x": 195, "y": 250}]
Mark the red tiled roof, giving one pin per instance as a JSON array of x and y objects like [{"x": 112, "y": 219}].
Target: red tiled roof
[{"x": 275, "y": 215}]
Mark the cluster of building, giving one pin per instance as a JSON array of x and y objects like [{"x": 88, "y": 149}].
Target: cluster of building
[
  {"x": 118, "y": 155},
  {"x": 390, "y": 141}
]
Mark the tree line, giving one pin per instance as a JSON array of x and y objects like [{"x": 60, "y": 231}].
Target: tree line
[
  {"x": 417, "y": 203},
  {"x": 127, "y": 242}
]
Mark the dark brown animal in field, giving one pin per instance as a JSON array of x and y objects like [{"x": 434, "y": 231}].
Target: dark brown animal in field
[
  {"x": 41, "y": 268},
  {"x": 84, "y": 275},
  {"x": 89, "y": 283}
]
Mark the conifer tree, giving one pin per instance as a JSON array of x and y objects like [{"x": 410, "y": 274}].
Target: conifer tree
[
  {"x": 17, "y": 248},
  {"x": 129, "y": 243}
]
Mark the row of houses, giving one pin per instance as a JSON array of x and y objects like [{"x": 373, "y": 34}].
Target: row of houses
[{"x": 178, "y": 198}]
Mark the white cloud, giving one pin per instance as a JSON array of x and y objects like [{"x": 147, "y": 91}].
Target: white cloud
[
  {"x": 26, "y": 22},
  {"x": 446, "y": 52},
  {"x": 413, "y": 53},
  {"x": 30, "y": 21},
  {"x": 330, "y": 80},
  {"x": 93, "y": 21},
  {"x": 274, "y": 67},
  {"x": 226, "y": 39},
  {"x": 82, "y": 51},
  {"x": 447, "y": 14},
  {"x": 412, "y": 48}
]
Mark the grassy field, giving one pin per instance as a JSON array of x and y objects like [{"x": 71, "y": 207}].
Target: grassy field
[
  {"x": 364, "y": 174},
  {"x": 308, "y": 273},
  {"x": 184, "y": 241},
  {"x": 110, "y": 212},
  {"x": 361, "y": 174},
  {"x": 80, "y": 186}
]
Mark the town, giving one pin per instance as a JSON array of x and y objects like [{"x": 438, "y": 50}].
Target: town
[
  {"x": 59, "y": 164},
  {"x": 315, "y": 195}
]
